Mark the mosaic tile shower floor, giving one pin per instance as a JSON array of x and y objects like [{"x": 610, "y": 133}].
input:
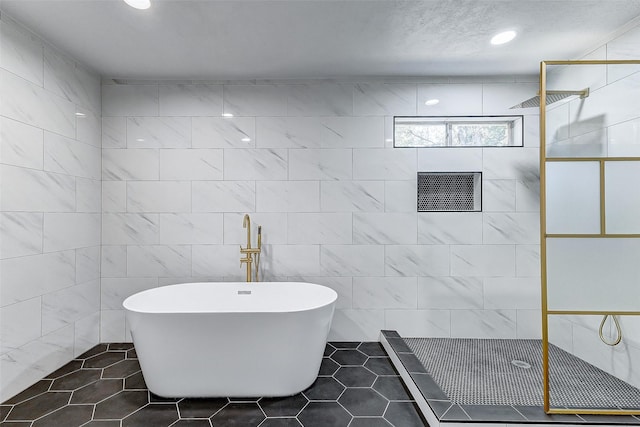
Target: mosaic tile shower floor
[{"x": 357, "y": 387}]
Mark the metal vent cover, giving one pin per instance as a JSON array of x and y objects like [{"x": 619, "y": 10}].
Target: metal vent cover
[{"x": 449, "y": 191}]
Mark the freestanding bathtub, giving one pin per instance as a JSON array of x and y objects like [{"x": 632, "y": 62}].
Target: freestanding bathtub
[{"x": 230, "y": 339}]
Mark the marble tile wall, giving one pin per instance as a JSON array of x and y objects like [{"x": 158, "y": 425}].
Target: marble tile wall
[
  {"x": 50, "y": 208},
  {"x": 313, "y": 163},
  {"x": 607, "y": 123}
]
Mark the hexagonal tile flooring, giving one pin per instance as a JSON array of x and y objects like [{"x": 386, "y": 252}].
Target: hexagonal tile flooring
[{"x": 357, "y": 386}]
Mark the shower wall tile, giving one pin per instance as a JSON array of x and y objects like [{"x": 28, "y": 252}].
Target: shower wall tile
[
  {"x": 510, "y": 163},
  {"x": 385, "y": 292},
  {"x": 289, "y": 132},
  {"x": 342, "y": 285},
  {"x": 130, "y": 229},
  {"x": 449, "y": 228},
  {"x": 528, "y": 195},
  {"x": 190, "y": 100},
  {"x": 352, "y": 196},
  {"x": 21, "y": 234},
  {"x": 130, "y": 100},
  {"x": 159, "y": 132},
  {"x": 70, "y": 157},
  {"x": 158, "y": 260},
  {"x": 112, "y": 326},
  {"x": 114, "y": 132},
  {"x": 28, "y": 277},
  {"x": 217, "y": 261},
  {"x": 114, "y": 196},
  {"x": 223, "y": 132},
  {"x": 450, "y": 160},
  {"x": 400, "y": 196},
  {"x": 348, "y": 324},
  {"x": 624, "y": 47},
  {"x": 25, "y": 102},
  {"x": 319, "y": 228},
  {"x": 115, "y": 291},
  {"x": 455, "y": 293},
  {"x": 158, "y": 196},
  {"x": 196, "y": 228},
  {"x": 512, "y": 292},
  {"x": 483, "y": 260},
  {"x": 527, "y": 260},
  {"x": 137, "y": 164},
  {"x": 511, "y": 228},
  {"x": 419, "y": 323},
  {"x": 51, "y": 203},
  {"x": 320, "y": 99},
  {"x": 255, "y": 100},
  {"x": 384, "y": 164},
  {"x": 191, "y": 164},
  {"x": 277, "y": 259},
  {"x": 499, "y": 195},
  {"x": 416, "y": 260},
  {"x": 529, "y": 324},
  {"x": 88, "y": 195},
  {"x": 64, "y": 231},
  {"x": 113, "y": 261},
  {"x": 455, "y": 99},
  {"x": 353, "y": 132},
  {"x": 385, "y": 228},
  {"x": 320, "y": 164},
  {"x": 38, "y": 191},
  {"x": 483, "y": 323},
  {"x": 498, "y": 98},
  {"x": 20, "y": 324},
  {"x": 21, "y": 144},
  {"x": 382, "y": 99},
  {"x": 22, "y": 51},
  {"x": 255, "y": 164},
  {"x": 227, "y": 196},
  {"x": 287, "y": 196},
  {"x": 352, "y": 260}
]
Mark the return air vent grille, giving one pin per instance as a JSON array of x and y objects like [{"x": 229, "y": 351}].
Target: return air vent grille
[{"x": 449, "y": 191}]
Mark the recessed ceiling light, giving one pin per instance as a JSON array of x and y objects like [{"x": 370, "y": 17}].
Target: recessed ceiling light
[
  {"x": 503, "y": 37},
  {"x": 432, "y": 101},
  {"x": 227, "y": 115},
  {"x": 139, "y": 4}
]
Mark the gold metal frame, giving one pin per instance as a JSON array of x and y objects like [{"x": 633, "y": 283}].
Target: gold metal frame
[{"x": 543, "y": 236}]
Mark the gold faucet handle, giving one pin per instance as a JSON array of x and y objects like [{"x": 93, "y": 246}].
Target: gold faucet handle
[{"x": 249, "y": 250}]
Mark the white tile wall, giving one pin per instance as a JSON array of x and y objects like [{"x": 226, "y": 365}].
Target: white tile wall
[{"x": 50, "y": 167}]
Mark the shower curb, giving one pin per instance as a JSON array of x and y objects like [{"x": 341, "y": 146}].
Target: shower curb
[{"x": 438, "y": 409}]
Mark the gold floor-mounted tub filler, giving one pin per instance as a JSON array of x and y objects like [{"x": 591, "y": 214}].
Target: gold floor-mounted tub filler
[
  {"x": 544, "y": 98},
  {"x": 251, "y": 255}
]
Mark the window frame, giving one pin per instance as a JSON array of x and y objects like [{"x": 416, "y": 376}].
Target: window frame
[{"x": 515, "y": 135}]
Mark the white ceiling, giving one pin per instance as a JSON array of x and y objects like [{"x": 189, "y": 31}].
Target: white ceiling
[{"x": 271, "y": 39}]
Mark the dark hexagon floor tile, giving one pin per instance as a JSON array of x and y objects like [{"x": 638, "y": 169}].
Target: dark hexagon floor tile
[
  {"x": 121, "y": 405},
  {"x": 328, "y": 350},
  {"x": 370, "y": 422},
  {"x": 324, "y": 388},
  {"x": 120, "y": 346},
  {"x": 281, "y": 422},
  {"x": 192, "y": 423},
  {"x": 288, "y": 406},
  {"x": 363, "y": 402},
  {"x": 380, "y": 366},
  {"x": 200, "y": 408},
  {"x": 36, "y": 389},
  {"x": 238, "y": 414},
  {"x": 152, "y": 415},
  {"x": 392, "y": 388},
  {"x": 100, "y": 348},
  {"x": 349, "y": 357},
  {"x": 103, "y": 423},
  {"x": 97, "y": 391},
  {"x": 103, "y": 360},
  {"x": 405, "y": 414},
  {"x": 345, "y": 344},
  {"x": 135, "y": 382},
  {"x": 39, "y": 406},
  {"x": 372, "y": 348},
  {"x": 324, "y": 414},
  {"x": 74, "y": 365},
  {"x": 328, "y": 367},
  {"x": 17, "y": 424},
  {"x": 132, "y": 354},
  {"x": 121, "y": 369},
  {"x": 355, "y": 376},
  {"x": 68, "y": 416},
  {"x": 244, "y": 399},
  {"x": 76, "y": 379},
  {"x": 4, "y": 411},
  {"x": 154, "y": 398}
]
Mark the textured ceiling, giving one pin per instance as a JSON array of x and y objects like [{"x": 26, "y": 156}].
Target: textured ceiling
[{"x": 238, "y": 39}]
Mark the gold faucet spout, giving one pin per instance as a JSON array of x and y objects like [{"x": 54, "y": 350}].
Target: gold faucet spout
[{"x": 246, "y": 223}]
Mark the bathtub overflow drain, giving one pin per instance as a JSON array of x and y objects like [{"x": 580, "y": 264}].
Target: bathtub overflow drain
[
  {"x": 520, "y": 364},
  {"x": 244, "y": 292}
]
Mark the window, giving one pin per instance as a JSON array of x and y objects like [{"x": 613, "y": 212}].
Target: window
[{"x": 486, "y": 131}]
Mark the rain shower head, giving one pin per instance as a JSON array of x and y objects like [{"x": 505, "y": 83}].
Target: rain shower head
[{"x": 552, "y": 96}]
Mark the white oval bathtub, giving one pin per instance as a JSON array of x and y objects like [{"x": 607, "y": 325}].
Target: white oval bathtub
[{"x": 230, "y": 339}]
